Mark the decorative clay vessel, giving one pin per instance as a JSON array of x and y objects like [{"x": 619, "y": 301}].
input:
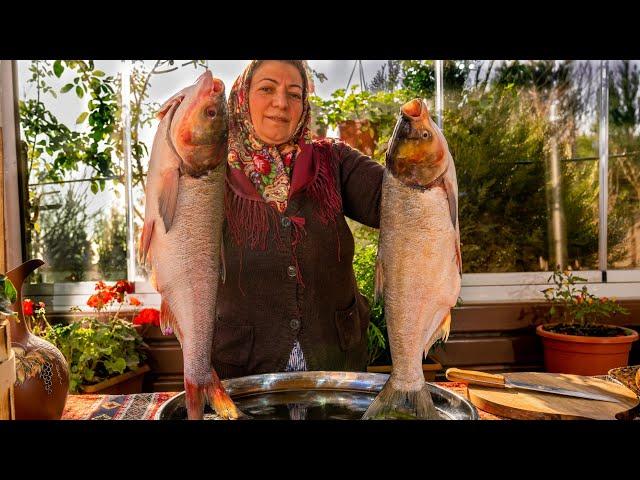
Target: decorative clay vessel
[{"x": 42, "y": 373}]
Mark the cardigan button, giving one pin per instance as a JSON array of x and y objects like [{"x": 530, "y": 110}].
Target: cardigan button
[
  {"x": 286, "y": 222},
  {"x": 291, "y": 271},
  {"x": 294, "y": 324}
]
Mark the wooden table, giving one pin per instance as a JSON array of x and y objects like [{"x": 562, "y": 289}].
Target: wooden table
[{"x": 143, "y": 406}]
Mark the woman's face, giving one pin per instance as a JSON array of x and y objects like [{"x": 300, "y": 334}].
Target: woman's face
[{"x": 275, "y": 101}]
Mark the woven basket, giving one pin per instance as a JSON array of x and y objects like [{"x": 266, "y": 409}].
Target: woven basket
[{"x": 628, "y": 376}]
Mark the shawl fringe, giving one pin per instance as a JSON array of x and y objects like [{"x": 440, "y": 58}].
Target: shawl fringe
[{"x": 250, "y": 220}]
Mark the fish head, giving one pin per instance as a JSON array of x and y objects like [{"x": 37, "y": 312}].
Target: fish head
[
  {"x": 199, "y": 126},
  {"x": 417, "y": 150}
]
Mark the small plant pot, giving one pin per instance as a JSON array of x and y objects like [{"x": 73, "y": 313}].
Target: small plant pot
[
  {"x": 428, "y": 369},
  {"x": 359, "y": 134},
  {"x": 129, "y": 382},
  {"x": 581, "y": 355}
]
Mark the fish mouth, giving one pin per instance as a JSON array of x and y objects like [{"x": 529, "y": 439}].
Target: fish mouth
[
  {"x": 413, "y": 108},
  {"x": 208, "y": 86}
]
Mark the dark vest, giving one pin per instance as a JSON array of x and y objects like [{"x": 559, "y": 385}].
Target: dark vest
[{"x": 302, "y": 285}]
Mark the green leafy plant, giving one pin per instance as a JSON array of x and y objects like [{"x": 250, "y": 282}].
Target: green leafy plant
[
  {"x": 8, "y": 295},
  {"x": 101, "y": 346},
  {"x": 578, "y": 311},
  {"x": 364, "y": 261},
  {"x": 376, "y": 107}
]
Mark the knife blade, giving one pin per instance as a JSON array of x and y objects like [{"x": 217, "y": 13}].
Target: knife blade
[{"x": 500, "y": 381}]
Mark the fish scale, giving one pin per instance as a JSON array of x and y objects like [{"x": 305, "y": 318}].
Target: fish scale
[
  {"x": 185, "y": 270},
  {"x": 420, "y": 272}
]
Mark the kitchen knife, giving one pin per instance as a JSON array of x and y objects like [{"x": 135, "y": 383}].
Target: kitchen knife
[{"x": 500, "y": 381}]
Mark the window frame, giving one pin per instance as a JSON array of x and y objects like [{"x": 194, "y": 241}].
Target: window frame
[{"x": 477, "y": 288}]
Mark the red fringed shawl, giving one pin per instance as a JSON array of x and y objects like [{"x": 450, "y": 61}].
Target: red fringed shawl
[{"x": 250, "y": 218}]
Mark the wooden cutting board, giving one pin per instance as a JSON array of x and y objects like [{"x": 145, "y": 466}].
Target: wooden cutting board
[{"x": 530, "y": 405}]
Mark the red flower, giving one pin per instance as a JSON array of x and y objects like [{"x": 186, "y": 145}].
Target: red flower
[
  {"x": 147, "y": 315},
  {"x": 106, "y": 296},
  {"x": 287, "y": 159},
  {"x": 122, "y": 286},
  {"x": 261, "y": 164},
  {"x": 27, "y": 306},
  {"x": 134, "y": 301},
  {"x": 95, "y": 301}
]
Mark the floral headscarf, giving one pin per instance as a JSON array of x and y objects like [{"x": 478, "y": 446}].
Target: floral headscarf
[{"x": 268, "y": 167}]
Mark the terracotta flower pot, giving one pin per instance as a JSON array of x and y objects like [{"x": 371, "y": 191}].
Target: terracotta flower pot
[
  {"x": 582, "y": 355},
  {"x": 359, "y": 134},
  {"x": 124, "y": 384}
]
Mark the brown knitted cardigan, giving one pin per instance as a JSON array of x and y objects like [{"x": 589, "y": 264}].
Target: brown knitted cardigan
[{"x": 290, "y": 275}]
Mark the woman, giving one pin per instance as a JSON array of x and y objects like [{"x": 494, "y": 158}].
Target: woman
[{"x": 289, "y": 300}]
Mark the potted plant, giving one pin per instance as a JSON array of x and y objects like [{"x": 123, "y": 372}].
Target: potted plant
[
  {"x": 105, "y": 352},
  {"x": 577, "y": 341},
  {"x": 364, "y": 119},
  {"x": 349, "y": 112}
]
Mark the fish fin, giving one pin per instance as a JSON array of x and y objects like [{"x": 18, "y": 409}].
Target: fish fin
[
  {"x": 392, "y": 404},
  {"x": 168, "y": 197},
  {"x": 153, "y": 279},
  {"x": 168, "y": 322},
  {"x": 379, "y": 280},
  {"x": 442, "y": 333},
  {"x": 451, "y": 189},
  {"x": 145, "y": 241},
  {"x": 223, "y": 264},
  {"x": 175, "y": 99}
]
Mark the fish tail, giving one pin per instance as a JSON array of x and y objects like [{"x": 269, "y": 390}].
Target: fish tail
[
  {"x": 220, "y": 400},
  {"x": 393, "y": 404},
  {"x": 212, "y": 393}
]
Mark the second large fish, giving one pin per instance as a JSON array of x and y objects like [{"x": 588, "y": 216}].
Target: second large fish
[
  {"x": 181, "y": 238},
  {"x": 419, "y": 267}
]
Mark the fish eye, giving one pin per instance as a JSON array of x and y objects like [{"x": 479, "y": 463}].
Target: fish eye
[{"x": 211, "y": 112}]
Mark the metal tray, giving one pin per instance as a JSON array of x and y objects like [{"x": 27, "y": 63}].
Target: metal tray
[{"x": 314, "y": 395}]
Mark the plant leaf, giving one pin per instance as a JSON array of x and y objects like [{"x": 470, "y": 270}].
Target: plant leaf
[
  {"x": 10, "y": 291},
  {"x": 82, "y": 117},
  {"x": 58, "y": 68}
]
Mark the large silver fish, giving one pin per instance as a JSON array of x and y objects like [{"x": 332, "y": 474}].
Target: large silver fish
[
  {"x": 181, "y": 238},
  {"x": 419, "y": 267}
]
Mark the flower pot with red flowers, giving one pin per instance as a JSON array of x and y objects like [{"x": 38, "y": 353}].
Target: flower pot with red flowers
[
  {"x": 105, "y": 352},
  {"x": 149, "y": 317},
  {"x": 579, "y": 341}
]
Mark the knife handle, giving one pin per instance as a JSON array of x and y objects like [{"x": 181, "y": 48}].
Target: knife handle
[{"x": 478, "y": 378}]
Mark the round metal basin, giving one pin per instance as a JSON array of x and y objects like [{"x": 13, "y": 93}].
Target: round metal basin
[{"x": 314, "y": 396}]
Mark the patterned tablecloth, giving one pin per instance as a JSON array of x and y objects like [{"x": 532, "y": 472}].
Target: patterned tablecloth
[{"x": 143, "y": 406}]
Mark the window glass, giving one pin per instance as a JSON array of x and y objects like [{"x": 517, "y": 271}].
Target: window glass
[
  {"x": 623, "y": 227},
  {"x": 525, "y": 141}
]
